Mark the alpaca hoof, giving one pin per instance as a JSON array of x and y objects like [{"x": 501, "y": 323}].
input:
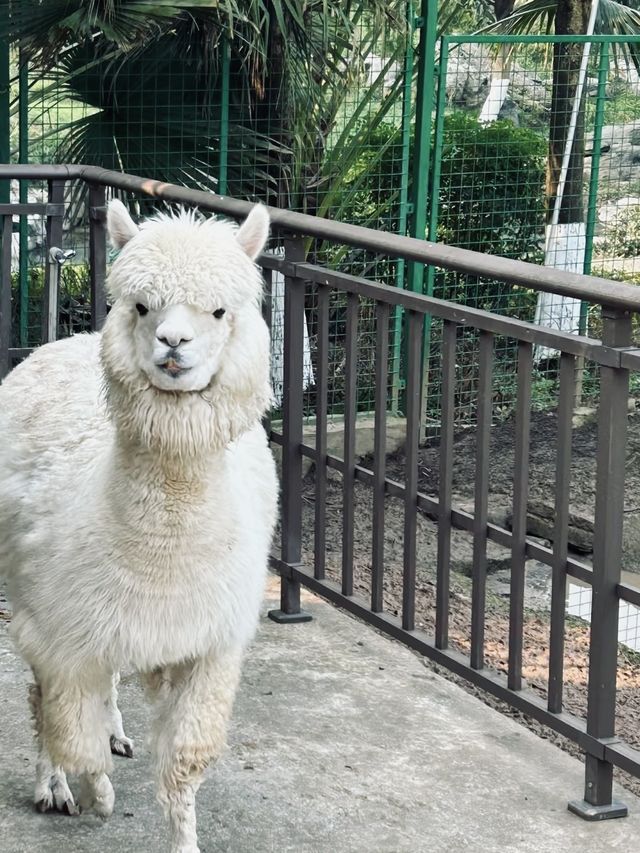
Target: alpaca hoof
[
  {"x": 121, "y": 746},
  {"x": 50, "y": 804},
  {"x": 96, "y": 792},
  {"x": 44, "y": 805},
  {"x": 54, "y": 795},
  {"x": 70, "y": 808}
]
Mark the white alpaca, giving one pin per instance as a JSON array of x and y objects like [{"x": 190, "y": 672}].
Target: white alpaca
[{"x": 137, "y": 503}]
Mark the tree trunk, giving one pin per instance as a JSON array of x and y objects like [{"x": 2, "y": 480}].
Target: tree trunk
[{"x": 572, "y": 17}]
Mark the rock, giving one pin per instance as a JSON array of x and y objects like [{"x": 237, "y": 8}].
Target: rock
[
  {"x": 540, "y": 522},
  {"x": 469, "y": 70},
  {"x": 537, "y": 590},
  {"x": 583, "y": 415},
  {"x": 620, "y": 154},
  {"x": 631, "y": 540},
  {"x": 612, "y": 211}
]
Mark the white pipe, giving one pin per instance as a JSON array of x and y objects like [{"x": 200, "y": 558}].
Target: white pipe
[{"x": 564, "y": 168}]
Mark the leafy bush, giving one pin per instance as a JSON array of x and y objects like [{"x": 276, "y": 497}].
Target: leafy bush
[
  {"x": 74, "y": 306},
  {"x": 491, "y": 200}
]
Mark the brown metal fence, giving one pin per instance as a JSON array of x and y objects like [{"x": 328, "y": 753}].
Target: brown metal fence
[{"x": 308, "y": 555}]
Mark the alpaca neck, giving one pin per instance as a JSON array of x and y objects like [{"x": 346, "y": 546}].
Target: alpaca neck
[{"x": 154, "y": 494}]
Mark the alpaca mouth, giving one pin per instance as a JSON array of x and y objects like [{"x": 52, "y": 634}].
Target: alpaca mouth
[{"x": 173, "y": 368}]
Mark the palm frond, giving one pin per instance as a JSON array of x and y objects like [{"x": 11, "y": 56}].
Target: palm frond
[
  {"x": 538, "y": 17},
  {"x": 614, "y": 18}
]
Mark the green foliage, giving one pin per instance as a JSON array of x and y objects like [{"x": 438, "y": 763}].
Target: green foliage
[
  {"x": 148, "y": 75},
  {"x": 492, "y": 187},
  {"x": 491, "y": 200},
  {"x": 539, "y": 16},
  {"x": 74, "y": 306}
]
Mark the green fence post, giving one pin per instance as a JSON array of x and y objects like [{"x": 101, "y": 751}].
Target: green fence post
[
  {"x": 23, "y": 157},
  {"x": 603, "y": 73},
  {"x": 404, "y": 208},
  {"x": 592, "y": 203},
  {"x": 224, "y": 118},
  {"x": 5, "y": 119},
  {"x": 434, "y": 204},
  {"x": 428, "y": 24}
]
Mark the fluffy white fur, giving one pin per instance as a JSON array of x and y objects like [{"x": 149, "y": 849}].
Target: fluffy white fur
[{"x": 137, "y": 503}]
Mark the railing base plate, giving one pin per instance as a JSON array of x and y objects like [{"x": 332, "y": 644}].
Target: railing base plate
[
  {"x": 289, "y": 618},
  {"x": 587, "y": 811}
]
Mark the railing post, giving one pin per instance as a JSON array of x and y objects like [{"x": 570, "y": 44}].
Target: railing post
[
  {"x": 54, "y": 233},
  {"x": 607, "y": 552},
  {"x": 97, "y": 254},
  {"x": 291, "y": 500},
  {"x": 5, "y": 295}
]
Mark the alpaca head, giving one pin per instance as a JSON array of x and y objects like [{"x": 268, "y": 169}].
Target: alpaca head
[{"x": 185, "y": 350}]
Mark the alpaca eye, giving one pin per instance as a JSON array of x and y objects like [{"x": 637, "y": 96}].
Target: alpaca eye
[
  {"x": 141, "y": 309},
  {"x": 219, "y": 313}
]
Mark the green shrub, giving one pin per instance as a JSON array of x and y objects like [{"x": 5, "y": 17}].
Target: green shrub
[
  {"x": 491, "y": 200},
  {"x": 74, "y": 306}
]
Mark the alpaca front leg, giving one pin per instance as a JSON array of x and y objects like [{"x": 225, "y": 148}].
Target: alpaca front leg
[
  {"x": 74, "y": 731},
  {"x": 52, "y": 789},
  {"x": 190, "y": 732},
  {"x": 119, "y": 742}
]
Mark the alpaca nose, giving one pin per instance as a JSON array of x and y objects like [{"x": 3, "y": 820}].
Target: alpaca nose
[{"x": 173, "y": 336}]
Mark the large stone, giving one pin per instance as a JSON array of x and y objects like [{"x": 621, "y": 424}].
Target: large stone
[
  {"x": 469, "y": 70},
  {"x": 631, "y": 540},
  {"x": 365, "y": 434},
  {"x": 541, "y": 520}
]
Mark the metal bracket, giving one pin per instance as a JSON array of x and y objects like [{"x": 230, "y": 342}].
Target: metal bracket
[
  {"x": 283, "y": 618},
  {"x": 98, "y": 214},
  {"x": 587, "y": 811}
]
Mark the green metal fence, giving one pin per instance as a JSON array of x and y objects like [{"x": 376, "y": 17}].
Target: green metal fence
[{"x": 404, "y": 145}]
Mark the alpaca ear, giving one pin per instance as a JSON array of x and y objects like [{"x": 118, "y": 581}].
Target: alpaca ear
[
  {"x": 254, "y": 231},
  {"x": 120, "y": 225}
]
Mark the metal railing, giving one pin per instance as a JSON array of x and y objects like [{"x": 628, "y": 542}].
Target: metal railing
[{"x": 615, "y": 358}]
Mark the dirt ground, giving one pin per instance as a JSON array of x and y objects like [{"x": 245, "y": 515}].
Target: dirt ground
[{"x": 536, "y": 630}]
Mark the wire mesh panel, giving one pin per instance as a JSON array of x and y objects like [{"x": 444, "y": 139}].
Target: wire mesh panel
[{"x": 534, "y": 165}]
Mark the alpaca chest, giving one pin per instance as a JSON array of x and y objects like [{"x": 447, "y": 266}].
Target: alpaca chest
[{"x": 200, "y": 600}]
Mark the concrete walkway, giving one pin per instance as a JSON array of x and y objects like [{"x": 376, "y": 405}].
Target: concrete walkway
[{"x": 342, "y": 741}]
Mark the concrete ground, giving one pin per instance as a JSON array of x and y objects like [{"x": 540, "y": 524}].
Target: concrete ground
[{"x": 342, "y": 741}]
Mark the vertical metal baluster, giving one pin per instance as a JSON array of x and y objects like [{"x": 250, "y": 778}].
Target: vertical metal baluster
[
  {"x": 291, "y": 510},
  {"x": 483, "y": 435},
  {"x": 322, "y": 385},
  {"x": 445, "y": 482},
  {"x": 413, "y": 395},
  {"x": 53, "y": 236},
  {"x": 379, "y": 454},
  {"x": 5, "y": 296},
  {"x": 520, "y": 498},
  {"x": 607, "y": 554},
  {"x": 98, "y": 254},
  {"x": 566, "y": 399},
  {"x": 348, "y": 479},
  {"x": 267, "y": 275}
]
